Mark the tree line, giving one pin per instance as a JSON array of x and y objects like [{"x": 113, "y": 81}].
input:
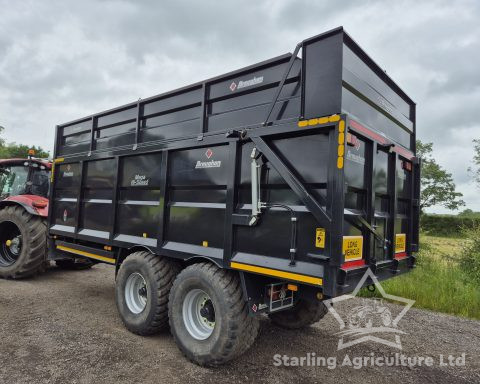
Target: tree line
[{"x": 19, "y": 151}]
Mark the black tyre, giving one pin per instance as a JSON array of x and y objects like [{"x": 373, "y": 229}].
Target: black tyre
[
  {"x": 208, "y": 315},
  {"x": 74, "y": 264},
  {"x": 22, "y": 243},
  {"x": 303, "y": 314},
  {"x": 141, "y": 292}
]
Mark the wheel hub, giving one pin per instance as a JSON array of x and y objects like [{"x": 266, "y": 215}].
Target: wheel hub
[
  {"x": 15, "y": 245},
  {"x": 10, "y": 243},
  {"x": 143, "y": 292},
  {"x": 207, "y": 311},
  {"x": 199, "y": 314}
]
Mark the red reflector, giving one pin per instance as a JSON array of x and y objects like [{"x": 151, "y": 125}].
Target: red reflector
[
  {"x": 353, "y": 264},
  {"x": 401, "y": 255}
]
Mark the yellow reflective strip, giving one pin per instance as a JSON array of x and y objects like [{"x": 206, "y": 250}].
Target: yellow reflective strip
[
  {"x": 86, "y": 254},
  {"x": 341, "y": 138},
  {"x": 334, "y": 118},
  {"x": 52, "y": 173},
  {"x": 59, "y": 160},
  {"x": 277, "y": 273},
  {"x": 340, "y": 163},
  {"x": 303, "y": 123},
  {"x": 341, "y": 126},
  {"x": 323, "y": 120},
  {"x": 313, "y": 122}
]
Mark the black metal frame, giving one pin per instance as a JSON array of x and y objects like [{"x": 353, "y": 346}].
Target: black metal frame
[{"x": 331, "y": 217}]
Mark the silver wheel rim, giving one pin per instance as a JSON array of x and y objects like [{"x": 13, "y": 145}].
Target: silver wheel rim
[
  {"x": 136, "y": 293},
  {"x": 198, "y": 314}
]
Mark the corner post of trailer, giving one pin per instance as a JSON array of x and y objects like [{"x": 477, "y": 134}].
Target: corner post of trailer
[
  {"x": 392, "y": 193},
  {"x": 231, "y": 200},
  {"x": 80, "y": 192},
  {"x": 370, "y": 200},
  {"x": 415, "y": 203},
  {"x": 52, "y": 178},
  {"x": 335, "y": 200}
]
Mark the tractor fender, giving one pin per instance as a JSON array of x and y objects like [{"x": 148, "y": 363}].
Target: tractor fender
[{"x": 28, "y": 207}]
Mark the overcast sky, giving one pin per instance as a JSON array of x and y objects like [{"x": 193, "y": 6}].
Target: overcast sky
[{"x": 61, "y": 60}]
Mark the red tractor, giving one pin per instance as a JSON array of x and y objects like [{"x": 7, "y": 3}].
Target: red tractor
[{"x": 24, "y": 190}]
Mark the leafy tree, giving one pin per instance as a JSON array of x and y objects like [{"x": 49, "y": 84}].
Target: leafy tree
[
  {"x": 476, "y": 160},
  {"x": 14, "y": 150},
  {"x": 437, "y": 186}
]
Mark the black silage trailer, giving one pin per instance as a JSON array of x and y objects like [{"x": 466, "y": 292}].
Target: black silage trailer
[{"x": 264, "y": 190}]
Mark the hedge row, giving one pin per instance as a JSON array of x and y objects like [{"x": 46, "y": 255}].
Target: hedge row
[{"x": 446, "y": 225}]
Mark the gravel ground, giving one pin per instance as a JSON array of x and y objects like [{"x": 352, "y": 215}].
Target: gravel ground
[{"x": 63, "y": 327}]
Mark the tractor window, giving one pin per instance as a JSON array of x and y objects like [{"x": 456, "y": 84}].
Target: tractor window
[
  {"x": 40, "y": 182},
  {"x": 13, "y": 181}
]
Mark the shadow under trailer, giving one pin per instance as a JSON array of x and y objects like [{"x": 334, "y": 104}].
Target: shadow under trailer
[{"x": 261, "y": 191}]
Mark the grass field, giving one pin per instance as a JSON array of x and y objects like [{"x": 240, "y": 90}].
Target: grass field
[{"x": 438, "y": 283}]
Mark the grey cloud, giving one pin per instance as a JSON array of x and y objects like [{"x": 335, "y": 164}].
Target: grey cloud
[{"x": 60, "y": 60}]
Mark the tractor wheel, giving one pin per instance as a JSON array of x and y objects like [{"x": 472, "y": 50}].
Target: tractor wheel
[
  {"x": 141, "y": 291},
  {"x": 301, "y": 315},
  {"x": 208, "y": 315},
  {"x": 23, "y": 245},
  {"x": 74, "y": 264}
]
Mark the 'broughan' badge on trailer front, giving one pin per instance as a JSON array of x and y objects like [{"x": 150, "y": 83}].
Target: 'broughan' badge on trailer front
[{"x": 208, "y": 164}]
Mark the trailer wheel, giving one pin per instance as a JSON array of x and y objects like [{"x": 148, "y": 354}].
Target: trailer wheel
[
  {"x": 208, "y": 315},
  {"x": 303, "y": 314},
  {"x": 141, "y": 292},
  {"x": 22, "y": 243}
]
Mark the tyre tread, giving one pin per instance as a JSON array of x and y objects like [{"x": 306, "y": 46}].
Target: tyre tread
[
  {"x": 243, "y": 328},
  {"x": 36, "y": 251}
]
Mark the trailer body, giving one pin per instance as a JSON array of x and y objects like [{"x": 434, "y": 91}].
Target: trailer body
[{"x": 327, "y": 138}]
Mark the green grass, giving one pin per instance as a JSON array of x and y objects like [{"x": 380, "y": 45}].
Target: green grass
[{"x": 438, "y": 283}]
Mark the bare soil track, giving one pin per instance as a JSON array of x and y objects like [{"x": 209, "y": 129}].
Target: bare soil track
[{"x": 63, "y": 327}]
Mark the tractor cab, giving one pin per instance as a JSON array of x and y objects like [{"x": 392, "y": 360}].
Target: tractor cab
[{"x": 24, "y": 177}]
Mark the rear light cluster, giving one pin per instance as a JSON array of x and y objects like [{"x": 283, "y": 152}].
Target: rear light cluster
[
  {"x": 352, "y": 140},
  {"x": 280, "y": 291},
  {"x": 407, "y": 165}
]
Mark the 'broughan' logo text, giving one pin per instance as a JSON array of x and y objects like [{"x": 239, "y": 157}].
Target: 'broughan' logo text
[{"x": 208, "y": 164}]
